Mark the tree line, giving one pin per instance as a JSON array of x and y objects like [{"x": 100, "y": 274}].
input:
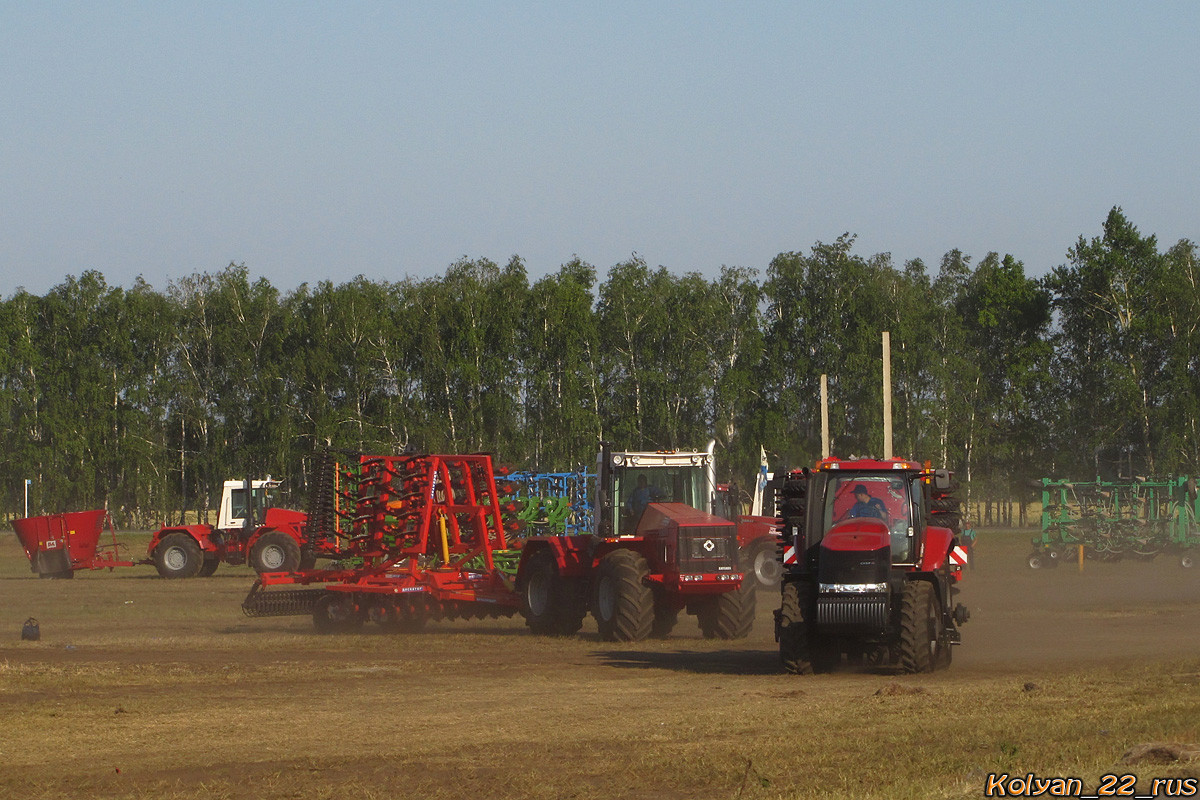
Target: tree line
[{"x": 145, "y": 401}]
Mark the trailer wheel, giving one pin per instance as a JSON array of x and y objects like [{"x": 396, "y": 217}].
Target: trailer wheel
[
  {"x": 1036, "y": 560},
  {"x": 920, "y": 629},
  {"x": 1187, "y": 561},
  {"x": 622, "y": 602},
  {"x": 210, "y": 566},
  {"x": 275, "y": 551},
  {"x": 550, "y": 603},
  {"x": 795, "y": 636},
  {"x": 762, "y": 565},
  {"x": 178, "y": 556}
]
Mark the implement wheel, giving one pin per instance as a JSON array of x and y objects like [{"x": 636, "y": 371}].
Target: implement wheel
[
  {"x": 275, "y": 551},
  {"x": 178, "y": 556},
  {"x": 336, "y": 613},
  {"x": 621, "y": 601}
]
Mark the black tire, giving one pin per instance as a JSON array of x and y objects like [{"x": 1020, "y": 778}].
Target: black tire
[
  {"x": 275, "y": 551},
  {"x": 335, "y": 613},
  {"x": 621, "y": 601},
  {"x": 920, "y": 629},
  {"x": 947, "y": 519},
  {"x": 760, "y": 563},
  {"x": 550, "y": 603},
  {"x": 729, "y": 615},
  {"x": 1037, "y": 560},
  {"x": 1187, "y": 561},
  {"x": 178, "y": 556},
  {"x": 795, "y": 631},
  {"x": 665, "y": 619},
  {"x": 945, "y": 503},
  {"x": 209, "y": 567}
]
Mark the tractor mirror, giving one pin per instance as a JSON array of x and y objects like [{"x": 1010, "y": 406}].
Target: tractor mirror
[{"x": 941, "y": 479}]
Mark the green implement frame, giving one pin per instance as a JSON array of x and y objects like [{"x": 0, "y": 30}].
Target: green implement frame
[{"x": 1116, "y": 519}]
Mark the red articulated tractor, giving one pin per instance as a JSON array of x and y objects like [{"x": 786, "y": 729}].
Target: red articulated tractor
[
  {"x": 869, "y": 566},
  {"x": 249, "y": 530},
  {"x": 656, "y": 551}
]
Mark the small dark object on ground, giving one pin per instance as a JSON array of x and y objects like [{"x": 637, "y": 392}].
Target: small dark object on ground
[
  {"x": 893, "y": 689},
  {"x": 1030, "y": 686},
  {"x": 30, "y": 632},
  {"x": 1160, "y": 753}
]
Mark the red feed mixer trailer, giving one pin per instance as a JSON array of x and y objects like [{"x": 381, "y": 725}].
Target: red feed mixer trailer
[
  {"x": 424, "y": 537},
  {"x": 870, "y": 562}
]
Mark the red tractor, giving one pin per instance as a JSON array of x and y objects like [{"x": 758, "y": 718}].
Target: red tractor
[
  {"x": 869, "y": 566},
  {"x": 656, "y": 551},
  {"x": 249, "y": 530}
]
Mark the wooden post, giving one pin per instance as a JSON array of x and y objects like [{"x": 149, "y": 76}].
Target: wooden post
[
  {"x": 825, "y": 447},
  {"x": 887, "y": 395}
]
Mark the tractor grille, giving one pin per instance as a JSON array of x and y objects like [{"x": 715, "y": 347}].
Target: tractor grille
[
  {"x": 862, "y": 610},
  {"x": 707, "y": 549}
]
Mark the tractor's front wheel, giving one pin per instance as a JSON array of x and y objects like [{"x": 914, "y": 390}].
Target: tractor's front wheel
[
  {"x": 729, "y": 615},
  {"x": 796, "y": 643},
  {"x": 622, "y": 602},
  {"x": 921, "y": 645},
  {"x": 275, "y": 551},
  {"x": 178, "y": 556}
]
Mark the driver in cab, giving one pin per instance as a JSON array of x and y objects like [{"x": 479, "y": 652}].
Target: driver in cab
[{"x": 866, "y": 506}]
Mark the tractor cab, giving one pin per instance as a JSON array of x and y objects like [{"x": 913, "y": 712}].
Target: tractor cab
[
  {"x": 892, "y": 497},
  {"x": 629, "y": 482},
  {"x": 245, "y": 503}
]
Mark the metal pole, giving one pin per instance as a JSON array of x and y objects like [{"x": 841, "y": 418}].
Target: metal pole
[
  {"x": 825, "y": 448},
  {"x": 887, "y": 395},
  {"x": 27, "y": 482}
]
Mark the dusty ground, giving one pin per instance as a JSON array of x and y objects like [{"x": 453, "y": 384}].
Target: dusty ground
[{"x": 149, "y": 688}]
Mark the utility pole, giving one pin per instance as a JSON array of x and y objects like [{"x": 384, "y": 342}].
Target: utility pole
[
  {"x": 887, "y": 395},
  {"x": 27, "y": 482}
]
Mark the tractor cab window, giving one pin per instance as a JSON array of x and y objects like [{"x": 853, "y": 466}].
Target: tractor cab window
[
  {"x": 882, "y": 496},
  {"x": 237, "y": 503},
  {"x": 264, "y": 498},
  {"x": 635, "y": 488}
]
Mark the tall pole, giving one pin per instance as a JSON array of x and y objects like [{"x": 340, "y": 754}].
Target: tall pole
[
  {"x": 825, "y": 448},
  {"x": 27, "y": 482},
  {"x": 887, "y": 395}
]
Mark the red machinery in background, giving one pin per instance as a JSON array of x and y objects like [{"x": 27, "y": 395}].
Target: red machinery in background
[{"x": 59, "y": 544}]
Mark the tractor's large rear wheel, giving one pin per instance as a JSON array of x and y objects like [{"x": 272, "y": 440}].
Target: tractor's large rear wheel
[
  {"x": 796, "y": 637},
  {"x": 550, "y": 602},
  {"x": 275, "y": 551},
  {"x": 178, "y": 556},
  {"x": 622, "y": 602},
  {"x": 729, "y": 615},
  {"x": 920, "y": 629}
]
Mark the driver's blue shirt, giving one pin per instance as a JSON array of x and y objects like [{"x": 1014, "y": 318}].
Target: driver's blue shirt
[{"x": 871, "y": 508}]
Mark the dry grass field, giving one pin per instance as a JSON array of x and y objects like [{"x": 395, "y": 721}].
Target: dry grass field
[{"x": 143, "y": 688}]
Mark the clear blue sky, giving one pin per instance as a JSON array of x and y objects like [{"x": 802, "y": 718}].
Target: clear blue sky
[{"x": 320, "y": 141}]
